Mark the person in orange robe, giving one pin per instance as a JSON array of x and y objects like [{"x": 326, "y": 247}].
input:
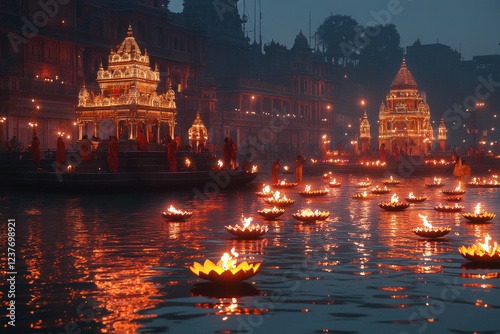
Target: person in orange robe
[
  {"x": 86, "y": 149},
  {"x": 60, "y": 154},
  {"x": 275, "y": 171},
  {"x": 113, "y": 154},
  {"x": 141, "y": 141},
  {"x": 171, "y": 154},
  {"x": 35, "y": 150}
]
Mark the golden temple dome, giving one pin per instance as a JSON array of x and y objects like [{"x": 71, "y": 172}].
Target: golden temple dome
[{"x": 404, "y": 79}]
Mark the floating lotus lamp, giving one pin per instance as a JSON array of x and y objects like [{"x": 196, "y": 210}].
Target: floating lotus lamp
[
  {"x": 482, "y": 252},
  {"x": 415, "y": 199},
  {"x": 394, "y": 204},
  {"x": 334, "y": 183},
  {"x": 307, "y": 215},
  {"x": 429, "y": 231},
  {"x": 391, "y": 181},
  {"x": 448, "y": 208},
  {"x": 271, "y": 213},
  {"x": 378, "y": 191},
  {"x": 484, "y": 183},
  {"x": 307, "y": 192},
  {"x": 453, "y": 198},
  {"x": 247, "y": 230},
  {"x": 362, "y": 195},
  {"x": 176, "y": 215},
  {"x": 279, "y": 201},
  {"x": 266, "y": 192},
  {"x": 226, "y": 270},
  {"x": 456, "y": 191},
  {"x": 479, "y": 216},
  {"x": 364, "y": 184},
  {"x": 284, "y": 184},
  {"x": 437, "y": 182}
]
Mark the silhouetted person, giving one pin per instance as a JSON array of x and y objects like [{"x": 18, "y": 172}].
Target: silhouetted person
[
  {"x": 275, "y": 171},
  {"x": 141, "y": 141},
  {"x": 171, "y": 154},
  {"x": 85, "y": 149},
  {"x": 35, "y": 150},
  {"x": 60, "y": 154},
  {"x": 113, "y": 154},
  {"x": 298, "y": 168}
]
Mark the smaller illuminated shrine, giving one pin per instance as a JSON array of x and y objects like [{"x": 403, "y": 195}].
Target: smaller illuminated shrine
[
  {"x": 404, "y": 117},
  {"x": 198, "y": 133},
  {"x": 128, "y": 102},
  {"x": 364, "y": 134}
]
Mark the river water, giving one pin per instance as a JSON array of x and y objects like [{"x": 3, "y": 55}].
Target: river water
[{"x": 112, "y": 264}]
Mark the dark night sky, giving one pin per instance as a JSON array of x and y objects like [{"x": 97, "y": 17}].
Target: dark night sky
[{"x": 471, "y": 27}]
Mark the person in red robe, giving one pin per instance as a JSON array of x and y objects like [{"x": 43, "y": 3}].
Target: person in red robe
[
  {"x": 113, "y": 154},
  {"x": 85, "y": 149},
  {"x": 60, "y": 154},
  {"x": 35, "y": 150},
  {"x": 141, "y": 141},
  {"x": 171, "y": 154},
  {"x": 275, "y": 171},
  {"x": 383, "y": 157}
]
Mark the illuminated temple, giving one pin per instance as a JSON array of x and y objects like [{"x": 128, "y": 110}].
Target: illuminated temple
[
  {"x": 128, "y": 102},
  {"x": 404, "y": 117}
]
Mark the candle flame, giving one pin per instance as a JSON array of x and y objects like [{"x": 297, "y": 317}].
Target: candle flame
[
  {"x": 477, "y": 211},
  {"x": 394, "y": 198},
  {"x": 276, "y": 195},
  {"x": 424, "y": 220},
  {"x": 411, "y": 195},
  {"x": 308, "y": 188},
  {"x": 227, "y": 261},
  {"x": 246, "y": 221},
  {"x": 266, "y": 189},
  {"x": 173, "y": 210},
  {"x": 255, "y": 169},
  {"x": 365, "y": 194},
  {"x": 458, "y": 187},
  {"x": 187, "y": 162},
  {"x": 220, "y": 163}
]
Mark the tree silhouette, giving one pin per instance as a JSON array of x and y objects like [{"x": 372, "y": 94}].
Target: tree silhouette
[{"x": 335, "y": 33}]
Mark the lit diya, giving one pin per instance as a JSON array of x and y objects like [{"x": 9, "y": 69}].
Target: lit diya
[
  {"x": 482, "y": 252},
  {"x": 307, "y": 192},
  {"x": 429, "y": 231},
  {"x": 479, "y": 216},
  {"x": 248, "y": 230},
  {"x": 484, "y": 183},
  {"x": 363, "y": 184},
  {"x": 287, "y": 170},
  {"x": 394, "y": 204},
  {"x": 437, "y": 182},
  {"x": 266, "y": 192},
  {"x": 327, "y": 175},
  {"x": 453, "y": 198},
  {"x": 307, "y": 215},
  {"x": 448, "y": 208},
  {"x": 176, "y": 215},
  {"x": 456, "y": 191},
  {"x": 284, "y": 184},
  {"x": 279, "y": 201},
  {"x": 391, "y": 181},
  {"x": 271, "y": 213},
  {"x": 378, "y": 191},
  {"x": 415, "y": 199},
  {"x": 226, "y": 270},
  {"x": 334, "y": 183},
  {"x": 362, "y": 195}
]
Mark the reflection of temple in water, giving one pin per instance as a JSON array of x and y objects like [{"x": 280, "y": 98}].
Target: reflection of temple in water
[
  {"x": 128, "y": 102},
  {"x": 404, "y": 117}
]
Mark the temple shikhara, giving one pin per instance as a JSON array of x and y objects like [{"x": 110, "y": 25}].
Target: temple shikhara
[
  {"x": 404, "y": 117},
  {"x": 128, "y": 102}
]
